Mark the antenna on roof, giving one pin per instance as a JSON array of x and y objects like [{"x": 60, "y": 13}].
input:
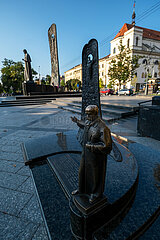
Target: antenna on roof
[{"x": 133, "y": 15}]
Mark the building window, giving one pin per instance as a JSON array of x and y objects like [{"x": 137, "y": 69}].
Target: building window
[
  {"x": 155, "y": 74},
  {"x": 102, "y": 65},
  {"x": 114, "y": 50},
  {"x": 136, "y": 41},
  {"x": 143, "y": 76},
  {"x": 156, "y": 62},
  {"x": 102, "y": 73},
  {"x": 135, "y": 74},
  {"x": 144, "y": 61},
  {"x": 128, "y": 42}
]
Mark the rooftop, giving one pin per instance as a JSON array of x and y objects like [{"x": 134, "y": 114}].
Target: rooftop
[{"x": 147, "y": 33}]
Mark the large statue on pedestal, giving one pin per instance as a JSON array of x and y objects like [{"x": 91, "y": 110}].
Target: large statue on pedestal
[
  {"x": 27, "y": 67},
  {"x": 97, "y": 143}
]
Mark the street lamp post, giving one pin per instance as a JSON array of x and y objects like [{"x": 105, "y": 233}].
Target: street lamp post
[{"x": 39, "y": 75}]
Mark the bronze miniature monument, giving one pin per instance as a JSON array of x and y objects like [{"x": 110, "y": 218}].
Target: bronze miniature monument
[
  {"x": 97, "y": 143},
  {"x": 95, "y": 138}
]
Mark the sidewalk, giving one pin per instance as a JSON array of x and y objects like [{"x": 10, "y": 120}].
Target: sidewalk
[
  {"x": 20, "y": 216},
  {"x": 126, "y": 129}
]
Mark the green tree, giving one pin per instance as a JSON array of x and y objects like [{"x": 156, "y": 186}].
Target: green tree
[
  {"x": 134, "y": 80},
  {"x": 72, "y": 84},
  {"x": 48, "y": 79},
  {"x": 122, "y": 67},
  {"x": 101, "y": 85},
  {"x": 13, "y": 75},
  {"x": 110, "y": 84},
  {"x": 1, "y": 88},
  {"x": 62, "y": 83},
  {"x": 43, "y": 82},
  {"x": 34, "y": 73}
]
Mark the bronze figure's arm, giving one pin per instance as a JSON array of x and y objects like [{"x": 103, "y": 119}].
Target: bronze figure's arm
[{"x": 80, "y": 123}]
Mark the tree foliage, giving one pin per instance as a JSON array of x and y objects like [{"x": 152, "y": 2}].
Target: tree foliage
[
  {"x": 133, "y": 81},
  {"x": 73, "y": 84},
  {"x": 48, "y": 79},
  {"x": 101, "y": 85},
  {"x": 122, "y": 67},
  {"x": 13, "y": 75},
  {"x": 62, "y": 83},
  {"x": 110, "y": 84},
  {"x": 1, "y": 88}
]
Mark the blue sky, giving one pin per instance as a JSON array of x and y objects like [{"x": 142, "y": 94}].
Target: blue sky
[{"x": 24, "y": 24}]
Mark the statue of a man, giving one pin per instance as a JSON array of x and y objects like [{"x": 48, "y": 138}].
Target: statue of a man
[
  {"x": 27, "y": 68},
  {"x": 97, "y": 143}
]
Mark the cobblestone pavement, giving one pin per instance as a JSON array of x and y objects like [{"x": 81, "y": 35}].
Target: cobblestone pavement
[{"x": 20, "y": 216}]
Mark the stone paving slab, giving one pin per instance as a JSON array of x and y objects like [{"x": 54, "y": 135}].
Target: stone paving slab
[
  {"x": 12, "y": 202},
  {"x": 32, "y": 212},
  {"x": 9, "y": 156},
  {"x": 27, "y": 186},
  {"x": 10, "y": 166},
  {"x": 11, "y": 180},
  {"x": 11, "y": 149},
  {"x": 40, "y": 234},
  {"x": 61, "y": 120},
  {"x": 24, "y": 171},
  {"x": 28, "y": 233},
  {"x": 12, "y": 228},
  {"x": 149, "y": 142}
]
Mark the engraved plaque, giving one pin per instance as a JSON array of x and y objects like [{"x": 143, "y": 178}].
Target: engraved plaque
[{"x": 65, "y": 166}]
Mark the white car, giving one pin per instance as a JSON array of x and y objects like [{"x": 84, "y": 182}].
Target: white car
[{"x": 125, "y": 92}]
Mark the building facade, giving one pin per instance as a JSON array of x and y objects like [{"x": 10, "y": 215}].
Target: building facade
[
  {"x": 142, "y": 42},
  {"x": 74, "y": 73}
]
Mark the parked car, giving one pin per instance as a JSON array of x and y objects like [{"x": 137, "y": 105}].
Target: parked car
[
  {"x": 107, "y": 91},
  {"x": 125, "y": 92}
]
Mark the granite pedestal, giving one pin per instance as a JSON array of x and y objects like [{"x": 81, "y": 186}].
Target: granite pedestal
[
  {"x": 148, "y": 119},
  {"x": 54, "y": 163}
]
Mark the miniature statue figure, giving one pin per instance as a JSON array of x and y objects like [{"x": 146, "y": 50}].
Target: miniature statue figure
[
  {"x": 97, "y": 143},
  {"x": 27, "y": 68}
]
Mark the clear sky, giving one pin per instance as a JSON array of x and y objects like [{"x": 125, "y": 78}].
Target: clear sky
[{"x": 25, "y": 23}]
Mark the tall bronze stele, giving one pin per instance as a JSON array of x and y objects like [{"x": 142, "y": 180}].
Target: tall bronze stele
[{"x": 52, "y": 37}]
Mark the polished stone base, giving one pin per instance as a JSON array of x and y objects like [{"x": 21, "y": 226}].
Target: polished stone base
[
  {"x": 55, "y": 167},
  {"x": 86, "y": 217},
  {"x": 81, "y": 201},
  {"x": 31, "y": 88}
]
